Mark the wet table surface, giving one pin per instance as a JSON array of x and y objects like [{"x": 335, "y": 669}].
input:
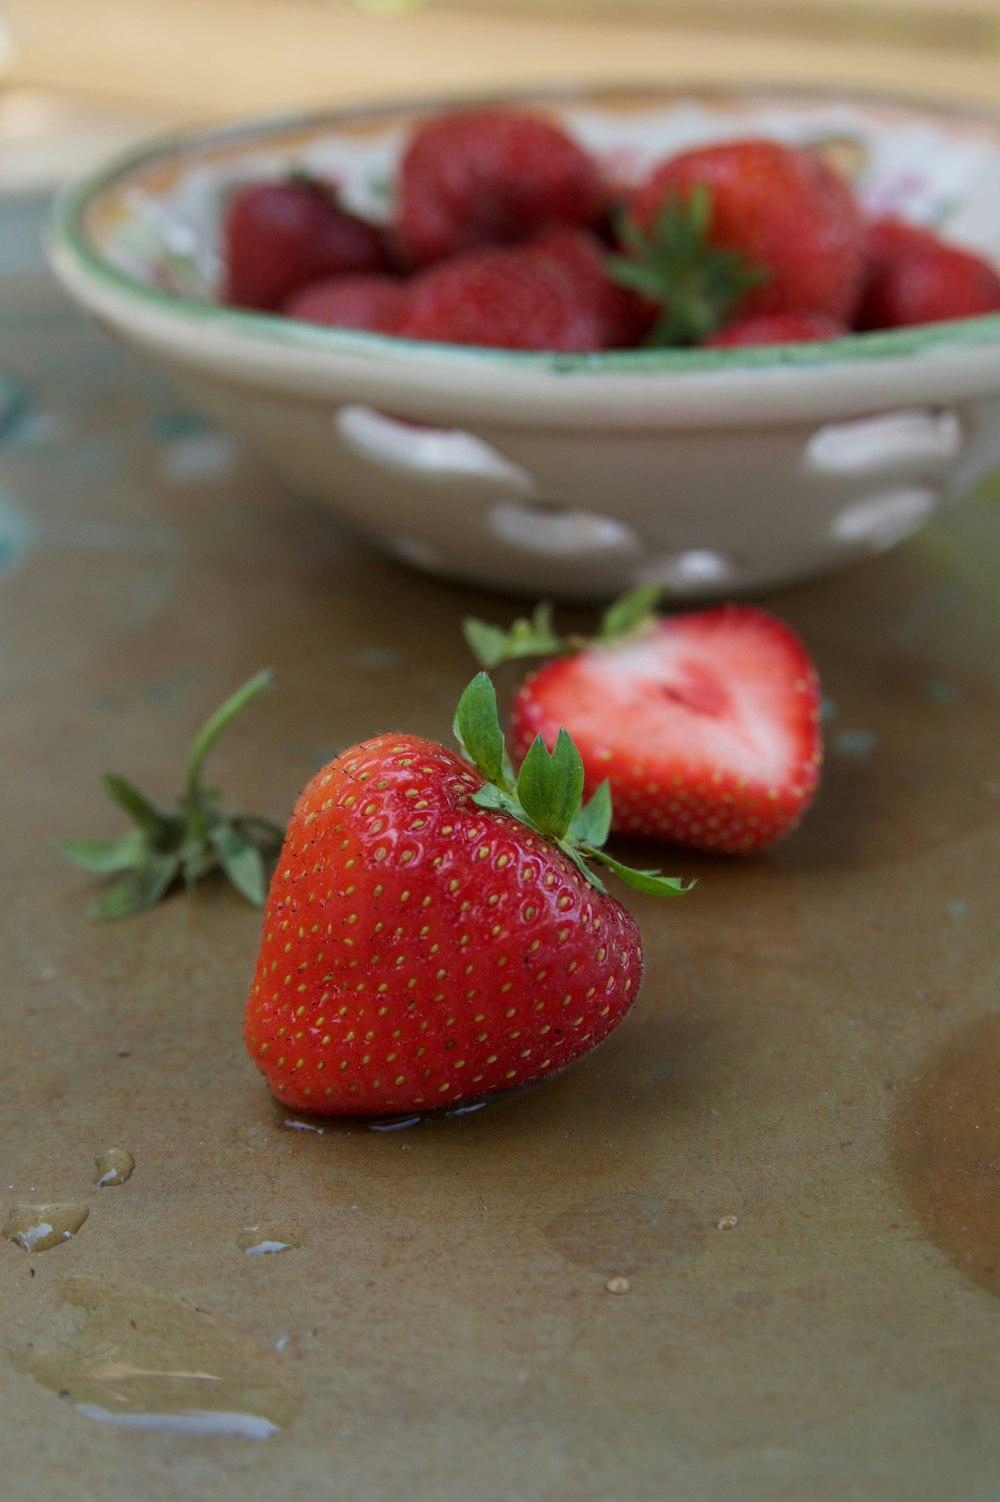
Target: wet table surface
[{"x": 787, "y": 1156}]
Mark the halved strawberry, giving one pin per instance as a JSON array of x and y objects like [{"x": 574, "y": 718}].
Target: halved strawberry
[{"x": 706, "y": 725}]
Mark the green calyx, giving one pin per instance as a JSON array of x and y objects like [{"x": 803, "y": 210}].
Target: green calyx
[
  {"x": 547, "y": 794},
  {"x": 675, "y": 265},
  {"x": 535, "y": 636},
  {"x": 167, "y": 847}
]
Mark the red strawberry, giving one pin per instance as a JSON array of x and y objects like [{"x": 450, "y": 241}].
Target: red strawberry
[
  {"x": 366, "y": 301},
  {"x": 625, "y": 317},
  {"x": 280, "y": 236},
  {"x": 914, "y": 277},
  {"x": 776, "y": 328},
  {"x": 706, "y": 725},
  {"x": 489, "y": 176},
  {"x": 423, "y": 948},
  {"x": 511, "y": 298},
  {"x": 780, "y": 211}
]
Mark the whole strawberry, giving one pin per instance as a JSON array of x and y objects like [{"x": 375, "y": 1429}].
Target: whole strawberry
[
  {"x": 279, "y": 236},
  {"x": 579, "y": 256},
  {"x": 432, "y": 934},
  {"x": 504, "y": 298},
  {"x": 373, "y": 301},
  {"x": 706, "y": 725},
  {"x": 746, "y": 227},
  {"x": 914, "y": 277},
  {"x": 490, "y": 176}
]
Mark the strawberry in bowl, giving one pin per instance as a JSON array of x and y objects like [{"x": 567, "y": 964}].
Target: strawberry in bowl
[{"x": 637, "y": 367}]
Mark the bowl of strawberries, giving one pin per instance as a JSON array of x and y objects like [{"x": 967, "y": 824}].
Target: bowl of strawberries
[{"x": 716, "y": 341}]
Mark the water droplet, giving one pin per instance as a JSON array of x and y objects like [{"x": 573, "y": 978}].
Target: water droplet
[
  {"x": 143, "y": 1359},
  {"x": 618, "y": 1285},
  {"x": 302, "y": 1126},
  {"x": 266, "y": 1238},
  {"x": 114, "y": 1166},
  {"x": 394, "y": 1124},
  {"x": 727, "y": 1223},
  {"x": 38, "y": 1228}
]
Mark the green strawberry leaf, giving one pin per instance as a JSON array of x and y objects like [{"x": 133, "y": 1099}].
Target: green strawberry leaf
[
  {"x": 241, "y": 860},
  {"x": 146, "y": 815},
  {"x": 105, "y": 857},
  {"x": 137, "y": 889},
  {"x": 675, "y": 263},
  {"x": 591, "y": 823},
  {"x": 548, "y": 794},
  {"x": 642, "y": 881},
  {"x": 550, "y": 785},
  {"x": 477, "y": 730},
  {"x": 535, "y": 636},
  {"x": 187, "y": 844},
  {"x": 630, "y": 612},
  {"x": 527, "y": 637}
]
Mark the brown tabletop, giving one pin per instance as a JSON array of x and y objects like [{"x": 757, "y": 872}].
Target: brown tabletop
[{"x": 786, "y": 1160}]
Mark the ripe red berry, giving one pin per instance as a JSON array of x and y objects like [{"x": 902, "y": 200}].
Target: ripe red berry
[
  {"x": 783, "y": 210},
  {"x": 490, "y": 176},
  {"x": 624, "y": 316},
  {"x": 280, "y": 236},
  {"x": 374, "y": 301},
  {"x": 421, "y": 947},
  {"x": 914, "y": 277},
  {"x": 502, "y": 298},
  {"x": 704, "y": 725}
]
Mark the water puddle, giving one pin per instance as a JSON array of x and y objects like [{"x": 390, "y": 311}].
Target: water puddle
[
  {"x": 142, "y": 1359},
  {"x": 947, "y": 1149}
]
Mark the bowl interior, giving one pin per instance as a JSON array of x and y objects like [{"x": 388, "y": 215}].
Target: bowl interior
[{"x": 156, "y": 217}]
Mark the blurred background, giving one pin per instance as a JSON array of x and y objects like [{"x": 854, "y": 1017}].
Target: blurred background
[{"x": 79, "y": 79}]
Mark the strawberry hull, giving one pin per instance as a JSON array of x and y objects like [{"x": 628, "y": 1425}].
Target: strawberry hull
[{"x": 420, "y": 952}]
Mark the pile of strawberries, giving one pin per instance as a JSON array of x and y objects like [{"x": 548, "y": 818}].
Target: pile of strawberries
[{"x": 504, "y": 233}]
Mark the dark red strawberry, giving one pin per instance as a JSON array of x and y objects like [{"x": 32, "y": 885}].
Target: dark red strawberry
[
  {"x": 424, "y": 948},
  {"x": 914, "y": 277},
  {"x": 374, "y": 301},
  {"x": 781, "y": 212},
  {"x": 776, "y": 328},
  {"x": 625, "y": 317},
  {"x": 490, "y": 176},
  {"x": 706, "y": 725},
  {"x": 279, "y": 236},
  {"x": 502, "y": 298}
]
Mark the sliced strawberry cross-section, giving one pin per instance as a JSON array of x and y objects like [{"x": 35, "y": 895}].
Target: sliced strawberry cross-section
[{"x": 705, "y": 725}]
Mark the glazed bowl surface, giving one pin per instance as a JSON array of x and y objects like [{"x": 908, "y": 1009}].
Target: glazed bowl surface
[{"x": 714, "y": 472}]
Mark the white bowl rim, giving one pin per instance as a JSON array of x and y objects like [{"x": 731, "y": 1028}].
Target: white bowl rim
[{"x": 67, "y": 238}]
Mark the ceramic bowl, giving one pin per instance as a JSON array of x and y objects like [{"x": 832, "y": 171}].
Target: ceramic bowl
[{"x": 713, "y": 472}]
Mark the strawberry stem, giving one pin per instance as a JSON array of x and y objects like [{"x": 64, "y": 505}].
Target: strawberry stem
[
  {"x": 217, "y": 723},
  {"x": 165, "y": 848}
]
